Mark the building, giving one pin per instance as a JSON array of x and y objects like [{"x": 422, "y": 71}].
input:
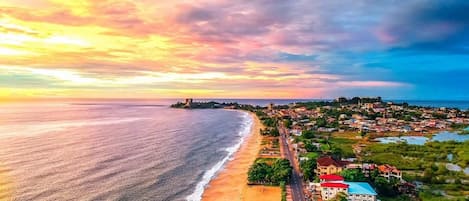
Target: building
[
  {"x": 360, "y": 191},
  {"x": 188, "y": 102},
  {"x": 389, "y": 172},
  {"x": 270, "y": 106},
  {"x": 330, "y": 178},
  {"x": 328, "y": 165},
  {"x": 354, "y": 191},
  {"x": 329, "y": 190}
]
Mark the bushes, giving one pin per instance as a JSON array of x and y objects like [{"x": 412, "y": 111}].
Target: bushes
[
  {"x": 284, "y": 191},
  {"x": 307, "y": 168},
  {"x": 262, "y": 172},
  {"x": 355, "y": 175}
]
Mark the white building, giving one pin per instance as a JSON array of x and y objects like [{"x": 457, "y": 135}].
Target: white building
[{"x": 333, "y": 185}]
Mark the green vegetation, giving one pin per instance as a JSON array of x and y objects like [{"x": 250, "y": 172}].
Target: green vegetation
[
  {"x": 270, "y": 132},
  {"x": 270, "y": 172},
  {"x": 435, "y": 195},
  {"x": 307, "y": 134},
  {"x": 287, "y": 123},
  {"x": 416, "y": 157},
  {"x": 284, "y": 191},
  {"x": 463, "y": 132},
  {"x": 342, "y": 147},
  {"x": 427, "y": 164},
  {"x": 353, "y": 175},
  {"x": 307, "y": 168},
  {"x": 459, "y": 126}
]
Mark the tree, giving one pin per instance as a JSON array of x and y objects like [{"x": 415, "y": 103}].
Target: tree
[
  {"x": 321, "y": 122},
  {"x": 281, "y": 171},
  {"x": 307, "y": 168},
  {"x": 259, "y": 172},
  {"x": 287, "y": 123},
  {"x": 340, "y": 196},
  {"x": 307, "y": 134},
  {"x": 278, "y": 171},
  {"x": 353, "y": 175},
  {"x": 274, "y": 132},
  {"x": 310, "y": 147},
  {"x": 384, "y": 187}
]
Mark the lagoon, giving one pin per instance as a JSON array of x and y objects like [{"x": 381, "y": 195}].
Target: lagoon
[{"x": 420, "y": 140}]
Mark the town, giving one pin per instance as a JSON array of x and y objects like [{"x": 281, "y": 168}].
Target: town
[{"x": 335, "y": 154}]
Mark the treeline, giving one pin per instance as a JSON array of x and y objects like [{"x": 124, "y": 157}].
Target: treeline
[
  {"x": 270, "y": 172},
  {"x": 216, "y": 105},
  {"x": 269, "y": 123}
]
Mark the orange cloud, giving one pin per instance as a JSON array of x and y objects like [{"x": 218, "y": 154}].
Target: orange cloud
[{"x": 165, "y": 49}]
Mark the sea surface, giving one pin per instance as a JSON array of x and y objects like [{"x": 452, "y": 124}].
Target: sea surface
[
  {"x": 461, "y": 104},
  {"x": 114, "y": 150}
]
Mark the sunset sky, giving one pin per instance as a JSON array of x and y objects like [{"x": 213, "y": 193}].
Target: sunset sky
[{"x": 234, "y": 49}]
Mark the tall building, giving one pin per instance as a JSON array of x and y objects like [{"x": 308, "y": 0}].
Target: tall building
[
  {"x": 188, "y": 102},
  {"x": 270, "y": 106}
]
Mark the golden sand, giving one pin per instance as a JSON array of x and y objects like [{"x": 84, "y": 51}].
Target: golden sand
[
  {"x": 6, "y": 187},
  {"x": 231, "y": 183}
]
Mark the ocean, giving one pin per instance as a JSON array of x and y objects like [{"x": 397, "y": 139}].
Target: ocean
[
  {"x": 113, "y": 150},
  {"x": 461, "y": 104}
]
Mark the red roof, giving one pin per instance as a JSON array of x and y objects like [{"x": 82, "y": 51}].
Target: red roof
[
  {"x": 387, "y": 168},
  {"x": 331, "y": 177},
  {"x": 334, "y": 185},
  {"x": 328, "y": 160}
]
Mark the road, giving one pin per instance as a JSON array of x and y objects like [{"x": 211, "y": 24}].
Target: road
[{"x": 296, "y": 182}]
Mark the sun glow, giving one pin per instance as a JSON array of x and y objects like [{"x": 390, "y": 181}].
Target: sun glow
[{"x": 71, "y": 48}]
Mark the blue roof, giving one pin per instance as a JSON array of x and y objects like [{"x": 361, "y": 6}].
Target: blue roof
[{"x": 360, "y": 188}]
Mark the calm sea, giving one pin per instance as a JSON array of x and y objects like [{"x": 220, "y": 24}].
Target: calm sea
[
  {"x": 461, "y": 104},
  {"x": 114, "y": 150}
]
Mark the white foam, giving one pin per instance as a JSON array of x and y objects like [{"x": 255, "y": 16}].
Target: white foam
[
  {"x": 209, "y": 174},
  {"x": 37, "y": 128}
]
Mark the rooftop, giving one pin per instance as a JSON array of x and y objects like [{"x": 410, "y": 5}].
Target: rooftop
[
  {"x": 362, "y": 188},
  {"x": 331, "y": 177},
  {"x": 328, "y": 160},
  {"x": 387, "y": 168},
  {"x": 334, "y": 185}
]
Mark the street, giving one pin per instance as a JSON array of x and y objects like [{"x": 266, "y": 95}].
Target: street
[{"x": 296, "y": 182}]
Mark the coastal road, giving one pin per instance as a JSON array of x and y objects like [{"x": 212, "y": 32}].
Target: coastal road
[{"x": 296, "y": 182}]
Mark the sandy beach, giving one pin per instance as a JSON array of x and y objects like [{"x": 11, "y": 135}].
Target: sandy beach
[{"x": 231, "y": 183}]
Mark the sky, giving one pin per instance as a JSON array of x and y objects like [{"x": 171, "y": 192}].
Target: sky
[{"x": 416, "y": 49}]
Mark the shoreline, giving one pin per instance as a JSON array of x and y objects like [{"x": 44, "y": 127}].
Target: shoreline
[{"x": 230, "y": 183}]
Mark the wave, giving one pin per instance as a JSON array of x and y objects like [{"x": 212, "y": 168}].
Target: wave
[
  {"x": 209, "y": 174},
  {"x": 45, "y": 127}
]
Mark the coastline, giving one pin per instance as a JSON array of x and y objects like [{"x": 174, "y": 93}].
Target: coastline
[{"x": 231, "y": 182}]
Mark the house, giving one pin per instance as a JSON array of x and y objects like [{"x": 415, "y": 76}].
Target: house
[
  {"x": 330, "y": 178},
  {"x": 328, "y": 165},
  {"x": 360, "y": 191},
  {"x": 388, "y": 172},
  {"x": 354, "y": 191},
  {"x": 329, "y": 190}
]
